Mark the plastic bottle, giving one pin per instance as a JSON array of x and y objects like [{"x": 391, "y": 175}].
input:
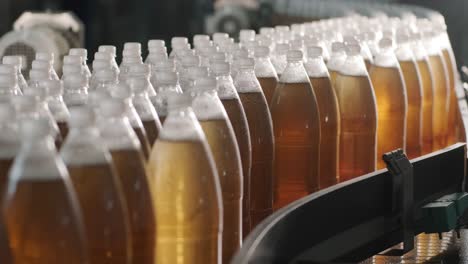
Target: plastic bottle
[
  {"x": 122, "y": 92},
  {"x": 50, "y": 59},
  {"x": 98, "y": 190},
  {"x": 223, "y": 144},
  {"x": 145, "y": 108},
  {"x": 113, "y": 51},
  {"x": 103, "y": 80},
  {"x": 441, "y": 92},
  {"x": 265, "y": 72},
  {"x": 36, "y": 77},
  {"x": 56, "y": 105},
  {"x": 39, "y": 188},
  {"x": 392, "y": 102},
  {"x": 337, "y": 58},
  {"x": 329, "y": 117},
  {"x": 83, "y": 53},
  {"x": 279, "y": 58},
  {"x": 189, "y": 216},
  {"x": 228, "y": 95},
  {"x": 142, "y": 71},
  {"x": 167, "y": 85},
  {"x": 122, "y": 142},
  {"x": 358, "y": 113},
  {"x": 17, "y": 61},
  {"x": 9, "y": 143},
  {"x": 415, "y": 93},
  {"x": 261, "y": 135},
  {"x": 75, "y": 91},
  {"x": 296, "y": 124},
  {"x": 8, "y": 82}
]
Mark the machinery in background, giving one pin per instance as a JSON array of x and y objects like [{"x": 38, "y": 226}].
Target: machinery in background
[{"x": 43, "y": 32}]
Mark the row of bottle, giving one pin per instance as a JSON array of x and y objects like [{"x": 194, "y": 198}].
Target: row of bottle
[{"x": 230, "y": 150}]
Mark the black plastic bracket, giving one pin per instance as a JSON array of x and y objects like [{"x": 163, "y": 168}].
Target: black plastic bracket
[{"x": 401, "y": 171}]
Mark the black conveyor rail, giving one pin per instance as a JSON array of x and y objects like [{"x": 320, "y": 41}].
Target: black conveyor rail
[{"x": 351, "y": 221}]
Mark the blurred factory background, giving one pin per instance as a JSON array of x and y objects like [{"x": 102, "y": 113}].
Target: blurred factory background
[{"x": 117, "y": 21}]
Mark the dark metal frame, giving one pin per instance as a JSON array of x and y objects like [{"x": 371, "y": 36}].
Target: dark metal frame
[{"x": 354, "y": 220}]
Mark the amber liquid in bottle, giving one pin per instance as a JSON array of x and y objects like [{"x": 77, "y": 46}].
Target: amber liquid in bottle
[
  {"x": 49, "y": 231},
  {"x": 63, "y": 127},
  {"x": 329, "y": 131},
  {"x": 130, "y": 168},
  {"x": 187, "y": 228},
  {"x": 454, "y": 129},
  {"x": 268, "y": 86},
  {"x": 104, "y": 213},
  {"x": 414, "y": 89},
  {"x": 5, "y": 252},
  {"x": 152, "y": 128},
  {"x": 239, "y": 123},
  {"x": 222, "y": 143},
  {"x": 391, "y": 100},
  {"x": 358, "y": 113},
  {"x": 441, "y": 100},
  {"x": 427, "y": 83},
  {"x": 142, "y": 137},
  {"x": 297, "y": 137},
  {"x": 261, "y": 135},
  {"x": 5, "y": 165}
]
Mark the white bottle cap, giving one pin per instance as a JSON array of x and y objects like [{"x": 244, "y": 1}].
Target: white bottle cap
[
  {"x": 73, "y": 59},
  {"x": 111, "y": 107},
  {"x": 179, "y": 41},
  {"x": 132, "y": 46},
  {"x": 268, "y": 31},
  {"x": 45, "y": 56},
  {"x": 100, "y": 55},
  {"x": 156, "y": 43},
  {"x": 220, "y": 68},
  {"x": 155, "y": 50},
  {"x": 295, "y": 55},
  {"x": 13, "y": 60},
  {"x": 131, "y": 53},
  {"x": 81, "y": 116},
  {"x": 109, "y": 49},
  {"x": 246, "y": 35},
  {"x": 261, "y": 51},
  {"x": 314, "y": 51},
  {"x": 200, "y": 40},
  {"x": 219, "y": 37},
  {"x": 79, "y": 52}
]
